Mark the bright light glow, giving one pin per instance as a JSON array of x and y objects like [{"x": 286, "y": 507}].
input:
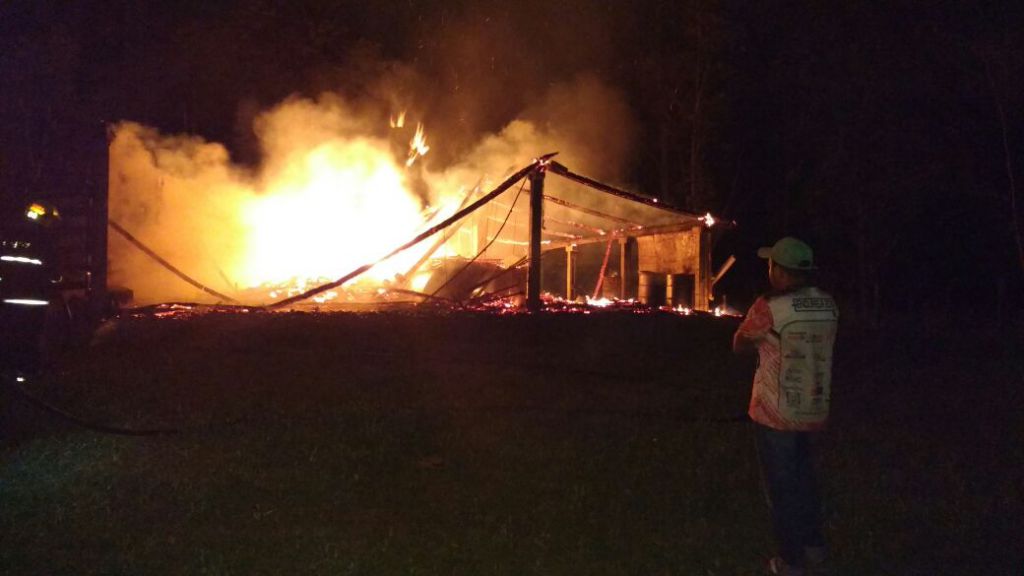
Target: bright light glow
[
  {"x": 599, "y": 302},
  {"x": 20, "y": 379},
  {"x": 22, "y": 260},
  {"x": 708, "y": 220},
  {"x": 419, "y": 281},
  {"x": 344, "y": 199},
  {"x": 398, "y": 122},
  {"x": 25, "y": 301},
  {"x": 325, "y": 296},
  {"x": 684, "y": 310},
  {"x": 37, "y": 210}
]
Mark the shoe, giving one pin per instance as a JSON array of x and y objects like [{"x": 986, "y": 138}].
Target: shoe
[{"x": 778, "y": 567}]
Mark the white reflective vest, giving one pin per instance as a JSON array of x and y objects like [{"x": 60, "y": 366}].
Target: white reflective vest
[{"x": 805, "y": 323}]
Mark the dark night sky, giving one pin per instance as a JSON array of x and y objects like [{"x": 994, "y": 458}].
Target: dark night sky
[{"x": 876, "y": 134}]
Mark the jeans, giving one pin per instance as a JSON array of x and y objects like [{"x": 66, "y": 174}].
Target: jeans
[{"x": 788, "y": 472}]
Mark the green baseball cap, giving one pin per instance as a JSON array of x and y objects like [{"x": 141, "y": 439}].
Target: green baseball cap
[{"x": 790, "y": 253}]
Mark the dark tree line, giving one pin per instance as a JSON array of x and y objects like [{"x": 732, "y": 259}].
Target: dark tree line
[{"x": 884, "y": 138}]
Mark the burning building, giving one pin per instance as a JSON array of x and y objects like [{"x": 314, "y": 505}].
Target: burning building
[{"x": 334, "y": 217}]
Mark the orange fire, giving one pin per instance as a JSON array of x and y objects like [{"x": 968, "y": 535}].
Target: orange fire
[
  {"x": 337, "y": 207},
  {"x": 323, "y": 207},
  {"x": 418, "y": 146}
]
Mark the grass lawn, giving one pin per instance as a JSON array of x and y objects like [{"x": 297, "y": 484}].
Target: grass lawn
[{"x": 413, "y": 443}]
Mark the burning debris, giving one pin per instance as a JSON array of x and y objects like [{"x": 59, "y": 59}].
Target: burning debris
[
  {"x": 504, "y": 305},
  {"x": 476, "y": 277}
]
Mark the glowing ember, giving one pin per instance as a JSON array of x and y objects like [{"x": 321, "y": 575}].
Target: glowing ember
[
  {"x": 725, "y": 310},
  {"x": 599, "y": 302}
]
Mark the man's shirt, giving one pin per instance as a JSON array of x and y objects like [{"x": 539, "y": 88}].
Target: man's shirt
[{"x": 795, "y": 334}]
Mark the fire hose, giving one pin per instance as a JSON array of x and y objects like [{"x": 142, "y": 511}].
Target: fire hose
[{"x": 17, "y": 388}]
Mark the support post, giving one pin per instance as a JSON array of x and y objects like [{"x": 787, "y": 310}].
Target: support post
[
  {"x": 536, "y": 226},
  {"x": 703, "y": 295},
  {"x": 97, "y": 228},
  {"x": 570, "y": 271},
  {"x": 625, "y": 278}
]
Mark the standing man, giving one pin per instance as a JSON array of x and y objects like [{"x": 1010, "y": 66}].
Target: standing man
[{"x": 793, "y": 329}]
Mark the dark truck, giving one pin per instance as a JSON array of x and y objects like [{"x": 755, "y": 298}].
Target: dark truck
[{"x": 52, "y": 293}]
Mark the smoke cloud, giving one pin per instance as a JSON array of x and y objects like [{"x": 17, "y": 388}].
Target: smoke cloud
[{"x": 489, "y": 105}]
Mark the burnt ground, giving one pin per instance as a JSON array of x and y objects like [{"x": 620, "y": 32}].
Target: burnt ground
[{"x": 466, "y": 443}]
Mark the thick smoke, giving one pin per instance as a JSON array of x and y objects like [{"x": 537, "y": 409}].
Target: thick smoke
[
  {"x": 489, "y": 103},
  {"x": 584, "y": 120},
  {"x": 179, "y": 195}
]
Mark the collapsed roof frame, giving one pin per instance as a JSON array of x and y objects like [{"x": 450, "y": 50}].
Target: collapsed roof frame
[
  {"x": 535, "y": 172},
  {"x": 627, "y": 228}
]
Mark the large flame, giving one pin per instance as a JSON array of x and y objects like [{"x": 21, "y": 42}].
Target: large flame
[
  {"x": 418, "y": 146},
  {"x": 333, "y": 209},
  {"x": 335, "y": 189},
  {"x": 321, "y": 208}
]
